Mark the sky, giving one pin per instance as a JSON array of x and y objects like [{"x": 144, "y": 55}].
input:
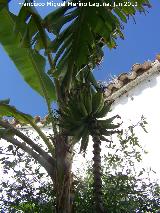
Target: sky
[{"x": 141, "y": 43}]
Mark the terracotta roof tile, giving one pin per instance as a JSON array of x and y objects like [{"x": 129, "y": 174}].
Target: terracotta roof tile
[{"x": 126, "y": 81}]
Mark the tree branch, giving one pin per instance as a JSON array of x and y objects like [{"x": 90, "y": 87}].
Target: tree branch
[
  {"x": 41, "y": 160},
  {"x": 8, "y": 126}
]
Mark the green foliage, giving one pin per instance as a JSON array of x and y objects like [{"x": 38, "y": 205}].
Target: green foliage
[
  {"x": 122, "y": 193},
  {"x": 79, "y": 42},
  {"x": 30, "y": 63},
  {"x": 27, "y": 189},
  {"x": 124, "y": 188}
]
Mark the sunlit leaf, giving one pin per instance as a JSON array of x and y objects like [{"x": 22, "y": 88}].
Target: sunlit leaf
[{"x": 29, "y": 63}]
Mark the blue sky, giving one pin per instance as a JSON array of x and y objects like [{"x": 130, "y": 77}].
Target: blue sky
[{"x": 142, "y": 42}]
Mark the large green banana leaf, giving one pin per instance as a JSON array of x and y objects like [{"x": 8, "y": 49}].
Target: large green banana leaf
[
  {"x": 29, "y": 63},
  {"x": 79, "y": 42}
]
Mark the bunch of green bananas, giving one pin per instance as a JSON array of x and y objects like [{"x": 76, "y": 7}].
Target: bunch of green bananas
[{"x": 80, "y": 117}]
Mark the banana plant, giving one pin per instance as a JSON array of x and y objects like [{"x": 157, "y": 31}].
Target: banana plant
[
  {"x": 91, "y": 107},
  {"x": 79, "y": 35}
]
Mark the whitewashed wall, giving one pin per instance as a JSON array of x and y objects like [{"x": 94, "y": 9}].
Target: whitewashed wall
[{"x": 144, "y": 100}]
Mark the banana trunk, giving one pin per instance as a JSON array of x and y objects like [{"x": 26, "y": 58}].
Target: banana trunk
[
  {"x": 63, "y": 176},
  {"x": 97, "y": 175}
]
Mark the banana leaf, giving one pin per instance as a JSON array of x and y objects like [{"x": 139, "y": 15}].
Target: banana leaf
[
  {"x": 10, "y": 111},
  {"x": 87, "y": 30},
  {"x": 29, "y": 63}
]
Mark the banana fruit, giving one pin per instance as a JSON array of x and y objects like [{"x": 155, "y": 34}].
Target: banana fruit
[
  {"x": 104, "y": 111},
  {"x": 80, "y": 116},
  {"x": 97, "y": 102}
]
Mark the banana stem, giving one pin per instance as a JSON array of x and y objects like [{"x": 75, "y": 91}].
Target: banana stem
[{"x": 97, "y": 175}]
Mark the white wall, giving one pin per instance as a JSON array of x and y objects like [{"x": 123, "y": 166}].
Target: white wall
[{"x": 144, "y": 100}]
